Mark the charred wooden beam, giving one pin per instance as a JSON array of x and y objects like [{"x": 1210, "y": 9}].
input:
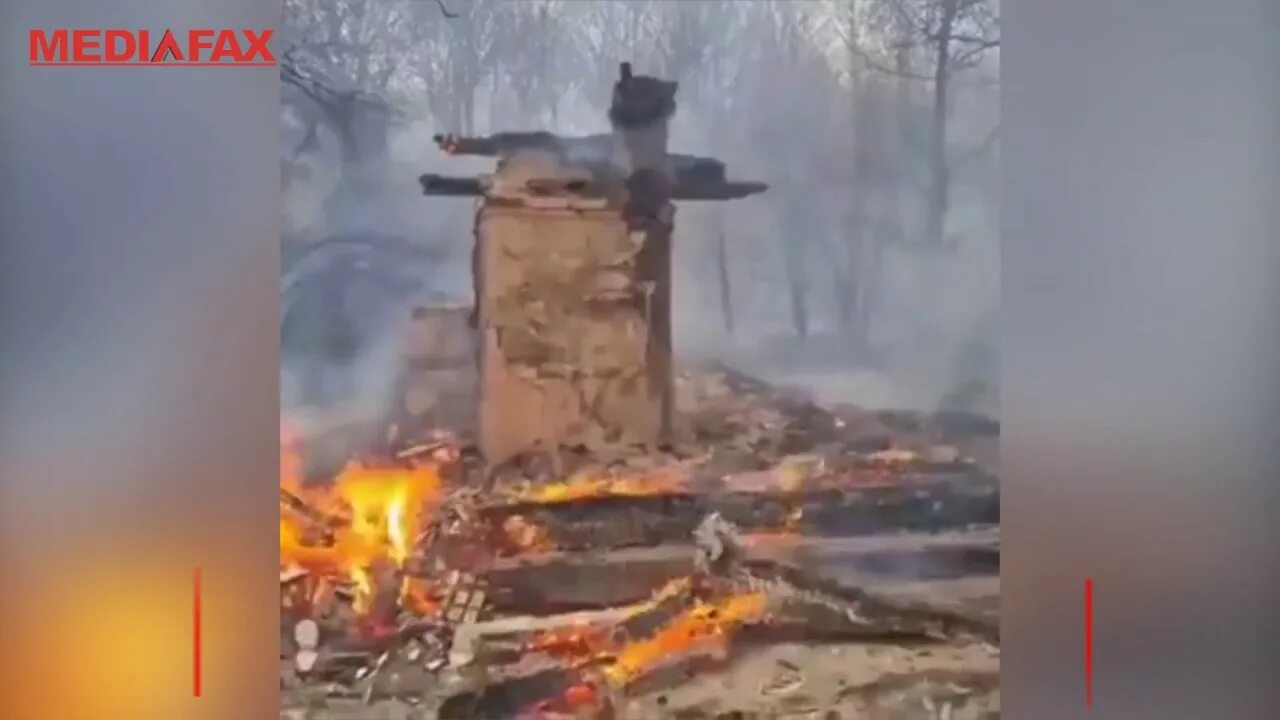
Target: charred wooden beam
[
  {"x": 684, "y": 189},
  {"x": 696, "y": 177},
  {"x": 957, "y": 501},
  {"x": 823, "y": 606},
  {"x": 501, "y": 144},
  {"x": 577, "y": 581},
  {"x": 508, "y": 698},
  {"x": 451, "y": 186},
  {"x": 797, "y": 605},
  {"x": 694, "y": 169},
  {"x": 687, "y": 189},
  {"x": 835, "y": 512}
]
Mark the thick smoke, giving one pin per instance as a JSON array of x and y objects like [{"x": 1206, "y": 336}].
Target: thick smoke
[{"x": 931, "y": 331}]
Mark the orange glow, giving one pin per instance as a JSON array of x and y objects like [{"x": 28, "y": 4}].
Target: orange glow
[
  {"x": 704, "y": 627},
  {"x": 375, "y": 512},
  {"x": 418, "y": 597},
  {"x": 290, "y": 460},
  {"x": 574, "y": 642},
  {"x": 526, "y": 535},
  {"x": 602, "y": 483}
]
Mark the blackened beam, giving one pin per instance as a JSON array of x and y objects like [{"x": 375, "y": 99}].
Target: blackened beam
[
  {"x": 501, "y": 144},
  {"x": 802, "y": 606},
  {"x": 443, "y": 185},
  {"x": 688, "y": 168},
  {"x": 451, "y": 186},
  {"x": 723, "y": 191},
  {"x": 508, "y": 698},
  {"x": 930, "y": 504},
  {"x": 803, "y": 590}
]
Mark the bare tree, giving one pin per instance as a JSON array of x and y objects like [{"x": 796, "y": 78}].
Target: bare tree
[
  {"x": 613, "y": 32},
  {"x": 540, "y": 63},
  {"x": 697, "y": 50},
  {"x": 453, "y": 56},
  {"x": 867, "y": 155},
  {"x": 342, "y": 110},
  {"x": 947, "y": 37},
  {"x": 792, "y": 79},
  {"x": 342, "y": 56}
]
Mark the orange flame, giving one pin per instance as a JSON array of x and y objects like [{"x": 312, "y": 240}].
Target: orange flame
[
  {"x": 377, "y": 513},
  {"x": 704, "y": 627},
  {"x": 602, "y": 483},
  {"x": 573, "y": 642},
  {"x": 290, "y": 459},
  {"x": 526, "y": 535}
]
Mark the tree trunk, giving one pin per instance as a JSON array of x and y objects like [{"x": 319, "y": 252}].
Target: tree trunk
[
  {"x": 846, "y": 296},
  {"x": 344, "y": 122},
  {"x": 343, "y": 119},
  {"x": 310, "y": 141},
  {"x": 375, "y": 135},
  {"x": 793, "y": 258},
  {"x": 469, "y": 111},
  {"x": 460, "y": 90},
  {"x": 938, "y": 193},
  {"x": 850, "y": 287},
  {"x": 726, "y": 292},
  {"x": 799, "y": 308},
  {"x": 868, "y": 286}
]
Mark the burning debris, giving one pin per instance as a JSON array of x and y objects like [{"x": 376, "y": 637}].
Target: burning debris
[{"x": 393, "y": 582}]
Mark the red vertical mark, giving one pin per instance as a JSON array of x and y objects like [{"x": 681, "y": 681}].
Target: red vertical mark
[
  {"x": 1088, "y": 642},
  {"x": 195, "y": 687}
]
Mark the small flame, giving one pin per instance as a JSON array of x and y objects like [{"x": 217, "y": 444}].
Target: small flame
[
  {"x": 574, "y": 642},
  {"x": 396, "y": 528},
  {"x": 600, "y": 483},
  {"x": 706, "y": 626},
  {"x": 526, "y": 535}
]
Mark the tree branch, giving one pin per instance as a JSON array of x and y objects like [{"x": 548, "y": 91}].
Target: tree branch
[
  {"x": 445, "y": 11},
  {"x": 872, "y": 64},
  {"x": 293, "y": 72},
  {"x": 961, "y": 38},
  {"x": 964, "y": 57},
  {"x": 922, "y": 24}
]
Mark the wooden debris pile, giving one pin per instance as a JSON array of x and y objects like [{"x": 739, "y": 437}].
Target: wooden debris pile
[
  {"x": 400, "y": 626},
  {"x": 407, "y": 576},
  {"x": 690, "y": 623}
]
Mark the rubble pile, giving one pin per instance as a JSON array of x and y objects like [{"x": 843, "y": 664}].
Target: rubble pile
[{"x": 419, "y": 581}]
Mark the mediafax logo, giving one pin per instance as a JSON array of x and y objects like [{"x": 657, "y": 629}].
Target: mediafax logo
[{"x": 204, "y": 47}]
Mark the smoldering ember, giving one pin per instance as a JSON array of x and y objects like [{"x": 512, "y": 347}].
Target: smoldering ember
[{"x": 560, "y": 518}]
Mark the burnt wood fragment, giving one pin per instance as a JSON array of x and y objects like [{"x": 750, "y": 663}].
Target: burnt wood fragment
[
  {"x": 450, "y": 186},
  {"x": 611, "y": 522},
  {"x": 508, "y": 698}
]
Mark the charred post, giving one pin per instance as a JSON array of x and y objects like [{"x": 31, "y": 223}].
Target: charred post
[{"x": 573, "y": 276}]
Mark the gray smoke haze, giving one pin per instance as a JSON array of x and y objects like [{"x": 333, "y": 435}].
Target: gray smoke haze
[{"x": 801, "y": 95}]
